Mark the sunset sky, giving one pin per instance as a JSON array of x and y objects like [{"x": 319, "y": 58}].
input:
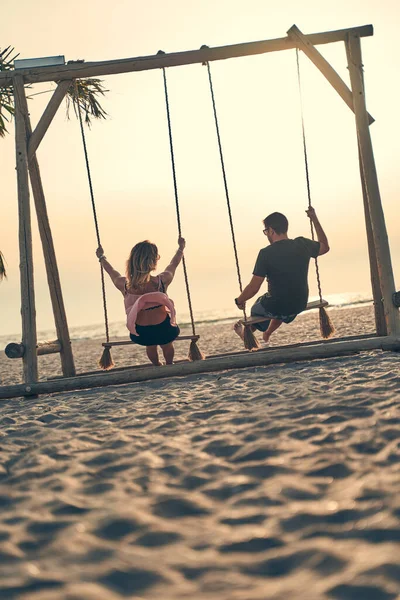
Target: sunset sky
[{"x": 258, "y": 103}]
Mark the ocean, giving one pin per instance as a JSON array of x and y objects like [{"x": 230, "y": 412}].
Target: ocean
[{"x": 118, "y": 328}]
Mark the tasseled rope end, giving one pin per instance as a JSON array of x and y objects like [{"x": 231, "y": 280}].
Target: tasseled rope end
[
  {"x": 250, "y": 340},
  {"x": 194, "y": 352},
  {"x": 325, "y": 324},
  {"x": 106, "y": 362}
]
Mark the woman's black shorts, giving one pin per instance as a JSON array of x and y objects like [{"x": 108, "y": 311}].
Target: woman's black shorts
[{"x": 156, "y": 335}]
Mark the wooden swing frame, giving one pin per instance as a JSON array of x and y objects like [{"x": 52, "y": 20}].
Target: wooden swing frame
[{"x": 27, "y": 141}]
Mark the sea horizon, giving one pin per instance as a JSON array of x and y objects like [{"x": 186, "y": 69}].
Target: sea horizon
[{"x": 118, "y": 328}]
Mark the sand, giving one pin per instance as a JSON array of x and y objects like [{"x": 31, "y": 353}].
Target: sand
[{"x": 266, "y": 483}]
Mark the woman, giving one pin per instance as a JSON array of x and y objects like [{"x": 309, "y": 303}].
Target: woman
[{"x": 150, "y": 312}]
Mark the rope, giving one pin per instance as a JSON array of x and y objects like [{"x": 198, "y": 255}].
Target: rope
[
  {"x": 96, "y": 224},
  {"x": 306, "y": 168},
  {"x": 228, "y": 202},
  {"x": 178, "y": 216}
]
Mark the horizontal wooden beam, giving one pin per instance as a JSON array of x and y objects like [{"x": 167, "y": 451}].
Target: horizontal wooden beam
[
  {"x": 17, "y": 350},
  {"x": 79, "y": 69},
  {"x": 236, "y": 361},
  {"x": 303, "y": 43}
]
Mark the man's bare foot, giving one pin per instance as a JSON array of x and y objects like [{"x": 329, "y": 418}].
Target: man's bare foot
[
  {"x": 266, "y": 338},
  {"x": 239, "y": 329}
]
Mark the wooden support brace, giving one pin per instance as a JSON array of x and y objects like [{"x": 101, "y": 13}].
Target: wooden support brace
[
  {"x": 322, "y": 64},
  {"x": 47, "y": 117}
]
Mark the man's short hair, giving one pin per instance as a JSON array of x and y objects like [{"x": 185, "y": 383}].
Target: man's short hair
[{"x": 277, "y": 221}]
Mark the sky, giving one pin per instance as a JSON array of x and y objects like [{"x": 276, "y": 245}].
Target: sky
[{"x": 259, "y": 116}]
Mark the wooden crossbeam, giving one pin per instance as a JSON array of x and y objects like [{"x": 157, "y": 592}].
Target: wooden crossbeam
[
  {"x": 310, "y": 306},
  {"x": 80, "y": 69}
]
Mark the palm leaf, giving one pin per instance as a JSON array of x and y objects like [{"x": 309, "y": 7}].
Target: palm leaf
[
  {"x": 2, "y": 267},
  {"x": 83, "y": 95},
  {"x": 7, "y": 58}
]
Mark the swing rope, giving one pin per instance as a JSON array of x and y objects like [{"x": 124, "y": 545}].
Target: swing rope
[
  {"x": 250, "y": 341},
  {"x": 326, "y": 326},
  {"x": 105, "y": 361},
  {"x": 194, "y": 351}
]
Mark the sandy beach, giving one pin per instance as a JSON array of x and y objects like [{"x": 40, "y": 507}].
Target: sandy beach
[{"x": 262, "y": 483}]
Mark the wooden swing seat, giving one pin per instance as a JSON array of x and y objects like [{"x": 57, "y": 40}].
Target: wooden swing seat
[
  {"x": 193, "y": 338},
  {"x": 310, "y": 306}
]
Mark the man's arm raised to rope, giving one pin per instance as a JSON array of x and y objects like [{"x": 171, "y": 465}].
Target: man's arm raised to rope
[
  {"x": 117, "y": 279},
  {"x": 321, "y": 236},
  {"x": 249, "y": 291},
  {"x": 169, "y": 273}
]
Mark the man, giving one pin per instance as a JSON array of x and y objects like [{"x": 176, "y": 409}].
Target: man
[{"x": 285, "y": 266}]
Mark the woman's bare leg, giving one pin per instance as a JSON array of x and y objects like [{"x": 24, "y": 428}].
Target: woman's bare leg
[
  {"x": 152, "y": 353},
  {"x": 273, "y": 326},
  {"x": 168, "y": 351}
]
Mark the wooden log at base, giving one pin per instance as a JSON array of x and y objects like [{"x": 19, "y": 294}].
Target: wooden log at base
[
  {"x": 17, "y": 350},
  {"x": 238, "y": 361}
]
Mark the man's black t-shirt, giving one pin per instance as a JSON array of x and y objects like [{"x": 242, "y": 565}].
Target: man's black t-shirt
[{"x": 285, "y": 265}]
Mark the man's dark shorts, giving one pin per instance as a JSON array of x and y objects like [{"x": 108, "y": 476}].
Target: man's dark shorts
[{"x": 258, "y": 310}]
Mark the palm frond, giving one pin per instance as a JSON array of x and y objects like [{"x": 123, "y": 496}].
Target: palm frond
[
  {"x": 83, "y": 94},
  {"x": 7, "y": 57},
  {"x": 2, "y": 267}
]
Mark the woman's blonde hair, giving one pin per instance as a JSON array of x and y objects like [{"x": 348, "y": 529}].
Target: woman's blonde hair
[{"x": 142, "y": 260}]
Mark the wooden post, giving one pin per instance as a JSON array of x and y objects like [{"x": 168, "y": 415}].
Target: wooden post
[
  {"x": 380, "y": 321},
  {"x": 53, "y": 278},
  {"x": 370, "y": 179},
  {"x": 28, "y": 311}
]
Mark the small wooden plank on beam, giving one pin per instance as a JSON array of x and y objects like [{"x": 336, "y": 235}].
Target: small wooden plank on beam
[
  {"x": 304, "y": 44},
  {"x": 47, "y": 117},
  {"x": 175, "y": 59},
  {"x": 250, "y": 359}
]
